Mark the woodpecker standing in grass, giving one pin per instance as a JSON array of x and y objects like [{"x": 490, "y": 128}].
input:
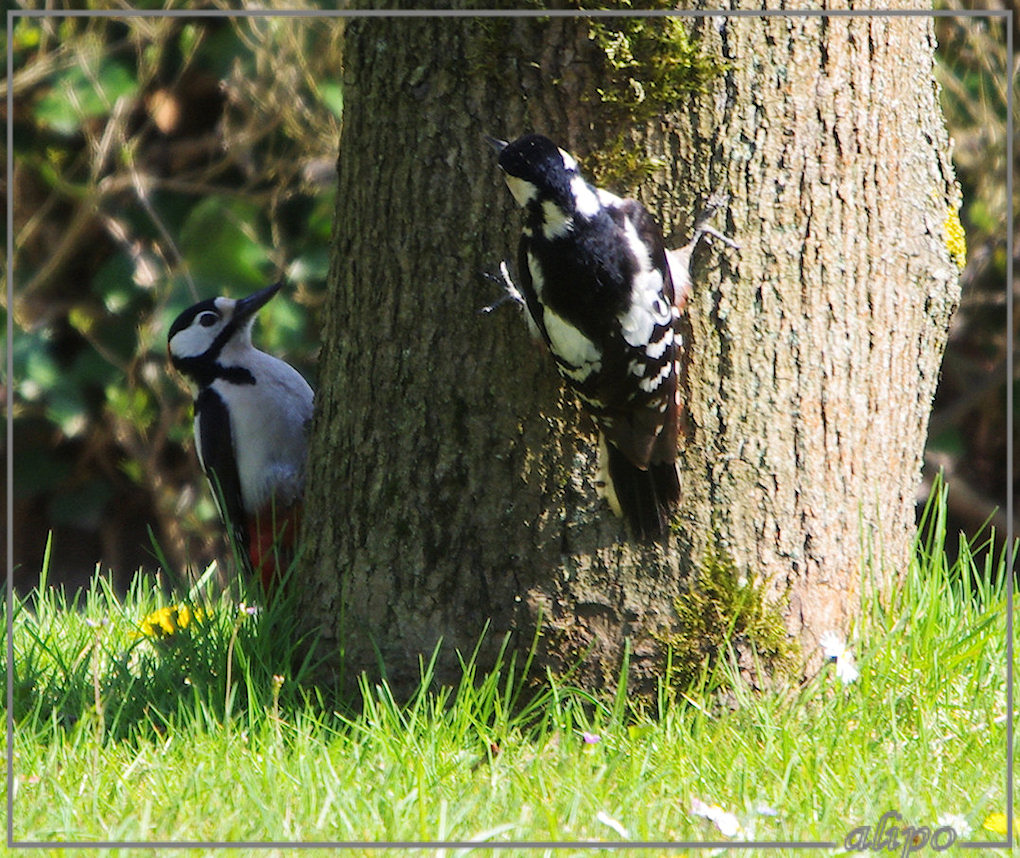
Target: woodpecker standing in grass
[
  {"x": 252, "y": 412},
  {"x": 596, "y": 282}
]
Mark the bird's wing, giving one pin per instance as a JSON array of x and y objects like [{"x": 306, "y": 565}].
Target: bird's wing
[
  {"x": 647, "y": 436},
  {"x": 650, "y": 234},
  {"x": 216, "y": 453},
  {"x": 527, "y": 287}
]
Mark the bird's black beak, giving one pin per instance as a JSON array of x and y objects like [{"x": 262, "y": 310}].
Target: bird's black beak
[
  {"x": 248, "y": 307},
  {"x": 495, "y": 143}
]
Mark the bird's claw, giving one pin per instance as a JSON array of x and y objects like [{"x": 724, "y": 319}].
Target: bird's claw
[
  {"x": 512, "y": 293},
  {"x": 701, "y": 228}
]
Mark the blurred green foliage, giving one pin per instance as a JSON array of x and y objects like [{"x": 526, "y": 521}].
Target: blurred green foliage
[
  {"x": 157, "y": 162},
  {"x": 80, "y": 93}
]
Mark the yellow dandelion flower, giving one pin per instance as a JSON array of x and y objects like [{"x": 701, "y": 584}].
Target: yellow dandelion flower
[
  {"x": 184, "y": 616},
  {"x": 165, "y": 618},
  {"x": 168, "y": 621},
  {"x": 151, "y": 625},
  {"x": 997, "y": 822}
]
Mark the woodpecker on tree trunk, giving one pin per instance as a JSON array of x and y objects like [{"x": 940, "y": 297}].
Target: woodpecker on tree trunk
[
  {"x": 252, "y": 413},
  {"x": 598, "y": 287}
]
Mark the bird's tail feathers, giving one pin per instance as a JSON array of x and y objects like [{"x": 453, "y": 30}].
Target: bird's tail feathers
[
  {"x": 666, "y": 480},
  {"x": 644, "y": 497}
]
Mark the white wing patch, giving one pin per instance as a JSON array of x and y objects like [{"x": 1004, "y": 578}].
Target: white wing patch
[
  {"x": 656, "y": 350},
  {"x": 586, "y": 200},
  {"x": 568, "y": 160},
  {"x": 644, "y": 313},
  {"x": 608, "y": 198},
  {"x": 569, "y": 344},
  {"x": 647, "y": 307},
  {"x": 650, "y": 385}
]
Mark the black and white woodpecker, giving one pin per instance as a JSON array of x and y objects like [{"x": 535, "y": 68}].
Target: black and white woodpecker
[
  {"x": 252, "y": 413},
  {"x": 595, "y": 279}
]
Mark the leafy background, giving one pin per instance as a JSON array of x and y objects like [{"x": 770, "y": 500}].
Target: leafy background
[{"x": 158, "y": 161}]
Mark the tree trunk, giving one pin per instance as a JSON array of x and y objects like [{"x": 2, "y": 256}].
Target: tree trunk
[
  {"x": 452, "y": 478},
  {"x": 818, "y": 353}
]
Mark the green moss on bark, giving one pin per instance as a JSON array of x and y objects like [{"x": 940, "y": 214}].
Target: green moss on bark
[
  {"x": 652, "y": 65},
  {"x": 724, "y": 611}
]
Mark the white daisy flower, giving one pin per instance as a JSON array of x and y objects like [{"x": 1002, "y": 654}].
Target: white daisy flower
[
  {"x": 834, "y": 648},
  {"x": 832, "y": 644},
  {"x": 726, "y": 822},
  {"x": 846, "y": 668},
  {"x": 955, "y": 821}
]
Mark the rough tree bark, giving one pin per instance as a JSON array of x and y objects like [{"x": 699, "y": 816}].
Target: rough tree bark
[
  {"x": 451, "y": 477},
  {"x": 817, "y": 358}
]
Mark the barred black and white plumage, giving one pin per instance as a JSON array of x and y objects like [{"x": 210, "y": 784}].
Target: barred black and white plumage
[{"x": 597, "y": 285}]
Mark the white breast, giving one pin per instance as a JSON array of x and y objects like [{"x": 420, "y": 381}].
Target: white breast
[{"x": 269, "y": 425}]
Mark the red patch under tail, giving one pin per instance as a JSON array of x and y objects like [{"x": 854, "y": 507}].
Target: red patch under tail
[{"x": 272, "y": 539}]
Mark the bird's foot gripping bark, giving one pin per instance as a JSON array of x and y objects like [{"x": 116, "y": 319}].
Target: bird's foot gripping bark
[
  {"x": 718, "y": 200},
  {"x": 680, "y": 259},
  {"x": 512, "y": 293}
]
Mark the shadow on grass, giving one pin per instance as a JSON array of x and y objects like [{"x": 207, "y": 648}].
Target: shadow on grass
[
  {"x": 136, "y": 667},
  {"x": 135, "y": 664}
]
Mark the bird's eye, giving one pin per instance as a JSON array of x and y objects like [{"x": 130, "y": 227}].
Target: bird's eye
[{"x": 207, "y": 319}]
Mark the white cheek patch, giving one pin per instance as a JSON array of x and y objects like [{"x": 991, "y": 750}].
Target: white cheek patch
[
  {"x": 194, "y": 339},
  {"x": 568, "y": 160},
  {"x": 522, "y": 191}
]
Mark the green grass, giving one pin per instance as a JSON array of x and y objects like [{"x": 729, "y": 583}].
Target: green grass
[{"x": 122, "y": 737}]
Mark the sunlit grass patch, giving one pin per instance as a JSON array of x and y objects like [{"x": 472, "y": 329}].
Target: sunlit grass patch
[{"x": 209, "y": 728}]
